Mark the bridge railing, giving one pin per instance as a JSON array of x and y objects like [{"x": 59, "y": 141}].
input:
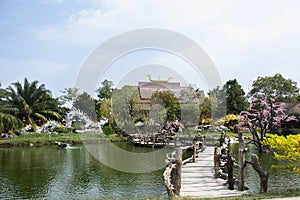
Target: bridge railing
[
  {"x": 223, "y": 159},
  {"x": 172, "y": 173}
]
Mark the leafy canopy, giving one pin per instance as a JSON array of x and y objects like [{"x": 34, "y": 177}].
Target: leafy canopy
[
  {"x": 69, "y": 96},
  {"x": 169, "y": 101},
  {"x": 125, "y": 107},
  {"x": 235, "y": 97},
  {"x": 206, "y": 106},
  {"x": 230, "y": 98},
  {"x": 126, "y": 103},
  {"x": 31, "y": 103},
  {"x": 219, "y": 96},
  {"x": 276, "y": 87},
  {"x": 86, "y": 104},
  {"x": 106, "y": 90}
]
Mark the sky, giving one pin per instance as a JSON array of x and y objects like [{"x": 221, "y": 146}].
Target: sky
[{"x": 50, "y": 40}]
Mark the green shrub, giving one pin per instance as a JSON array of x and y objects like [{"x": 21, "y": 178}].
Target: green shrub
[
  {"x": 117, "y": 130},
  {"x": 60, "y": 129},
  {"x": 140, "y": 118},
  {"x": 107, "y": 130}
]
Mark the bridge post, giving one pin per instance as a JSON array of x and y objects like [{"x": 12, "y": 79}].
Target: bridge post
[
  {"x": 241, "y": 165},
  {"x": 195, "y": 150},
  {"x": 230, "y": 171},
  {"x": 177, "y": 171},
  {"x": 217, "y": 154}
]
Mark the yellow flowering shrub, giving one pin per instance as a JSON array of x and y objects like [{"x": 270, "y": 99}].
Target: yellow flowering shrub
[
  {"x": 205, "y": 120},
  {"x": 286, "y": 148},
  {"x": 230, "y": 121},
  {"x": 231, "y": 117}
]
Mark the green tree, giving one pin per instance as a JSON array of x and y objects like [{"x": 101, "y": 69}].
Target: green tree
[
  {"x": 190, "y": 99},
  {"x": 105, "y": 108},
  {"x": 218, "y": 94},
  {"x": 158, "y": 115},
  {"x": 33, "y": 103},
  {"x": 132, "y": 97},
  {"x": 8, "y": 120},
  {"x": 69, "y": 96},
  {"x": 275, "y": 87},
  {"x": 206, "y": 107},
  {"x": 103, "y": 105},
  {"x": 126, "y": 107},
  {"x": 189, "y": 95},
  {"x": 169, "y": 101},
  {"x": 106, "y": 112},
  {"x": 190, "y": 114},
  {"x": 86, "y": 104},
  {"x": 235, "y": 98},
  {"x": 106, "y": 90}
]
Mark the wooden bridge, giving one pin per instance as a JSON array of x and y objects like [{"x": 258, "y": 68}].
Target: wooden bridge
[{"x": 197, "y": 178}]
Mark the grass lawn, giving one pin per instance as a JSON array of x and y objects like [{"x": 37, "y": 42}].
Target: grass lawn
[{"x": 269, "y": 195}]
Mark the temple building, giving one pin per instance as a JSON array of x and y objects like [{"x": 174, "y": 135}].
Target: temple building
[{"x": 147, "y": 89}]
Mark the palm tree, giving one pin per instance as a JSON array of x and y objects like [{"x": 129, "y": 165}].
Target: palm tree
[
  {"x": 33, "y": 103},
  {"x": 8, "y": 120}
]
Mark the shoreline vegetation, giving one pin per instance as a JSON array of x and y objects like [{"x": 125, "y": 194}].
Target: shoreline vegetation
[{"x": 40, "y": 139}]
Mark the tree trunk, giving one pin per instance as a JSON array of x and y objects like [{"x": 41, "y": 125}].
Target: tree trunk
[
  {"x": 264, "y": 176},
  {"x": 256, "y": 140},
  {"x": 260, "y": 148}
]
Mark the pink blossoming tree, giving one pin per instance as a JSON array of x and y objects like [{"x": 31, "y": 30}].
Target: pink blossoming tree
[{"x": 264, "y": 116}]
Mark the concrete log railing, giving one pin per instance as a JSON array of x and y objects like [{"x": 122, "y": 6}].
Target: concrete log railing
[
  {"x": 223, "y": 158},
  {"x": 167, "y": 178},
  {"x": 172, "y": 173}
]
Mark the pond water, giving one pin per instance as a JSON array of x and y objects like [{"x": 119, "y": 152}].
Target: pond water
[{"x": 46, "y": 172}]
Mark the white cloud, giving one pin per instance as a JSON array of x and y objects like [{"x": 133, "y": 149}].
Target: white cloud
[
  {"x": 94, "y": 25},
  {"x": 234, "y": 33},
  {"x": 216, "y": 24},
  {"x": 275, "y": 28}
]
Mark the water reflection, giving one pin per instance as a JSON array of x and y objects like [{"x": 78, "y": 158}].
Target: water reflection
[
  {"x": 70, "y": 173},
  {"x": 27, "y": 172},
  {"x": 31, "y": 173}
]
